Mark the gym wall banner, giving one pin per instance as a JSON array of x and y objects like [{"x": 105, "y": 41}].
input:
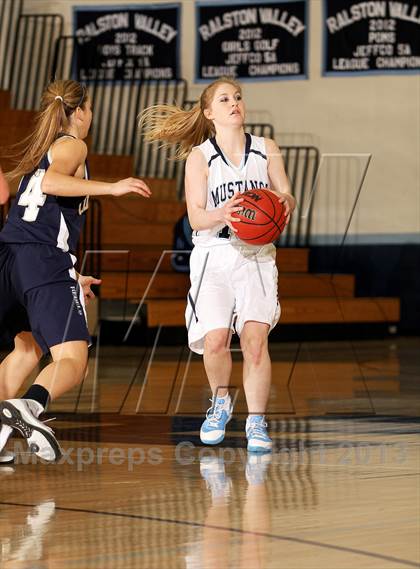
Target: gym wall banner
[
  {"x": 259, "y": 40},
  {"x": 371, "y": 37},
  {"x": 124, "y": 43}
]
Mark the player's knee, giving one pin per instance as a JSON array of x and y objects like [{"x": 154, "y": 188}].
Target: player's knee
[
  {"x": 26, "y": 346},
  {"x": 76, "y": 366},
  {"x": 74, "y": 354},
  {"x": 24, "y": 342},
  {"x": 254, "y": 348},
  {"x": 80, "y": 368},
  {"x": 216, "y": 344},
  {"x": 80, "y": 363}
]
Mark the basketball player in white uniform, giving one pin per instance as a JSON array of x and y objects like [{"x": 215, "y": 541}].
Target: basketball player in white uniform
[
  {"x": 233, "y": 284},
  {"x": 230, "y": 299}
]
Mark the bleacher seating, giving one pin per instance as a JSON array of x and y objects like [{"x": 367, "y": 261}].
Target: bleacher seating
[{"x": 138, "y": 230}]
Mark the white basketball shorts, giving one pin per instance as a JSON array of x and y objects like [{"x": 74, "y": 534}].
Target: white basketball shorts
[{"x": 230, "y": 285}]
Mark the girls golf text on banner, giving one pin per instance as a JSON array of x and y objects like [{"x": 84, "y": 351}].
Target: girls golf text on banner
[
  {"x": 252, "y": 40},
  {"x": 122, "y": 43},
  {"x": 371, "y": 37}
]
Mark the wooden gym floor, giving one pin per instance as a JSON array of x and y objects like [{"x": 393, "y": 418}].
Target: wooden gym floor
[{"x": 136, "y": 489}]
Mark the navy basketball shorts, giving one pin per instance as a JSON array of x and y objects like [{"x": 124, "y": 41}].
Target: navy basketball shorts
[
  {"x": 39, "y": 293},
  {"x": 230, "y": 285}
]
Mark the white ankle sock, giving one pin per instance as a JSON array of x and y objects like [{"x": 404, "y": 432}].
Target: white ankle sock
[{"x": 226, "y": 401}]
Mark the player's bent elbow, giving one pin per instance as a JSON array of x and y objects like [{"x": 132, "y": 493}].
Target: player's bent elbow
[
  {"x": 194, "y": 221},
  {"x": 194, "y": 226},
  {"x": 47, "y": 183},
  {"x": 198, "y": 226}
]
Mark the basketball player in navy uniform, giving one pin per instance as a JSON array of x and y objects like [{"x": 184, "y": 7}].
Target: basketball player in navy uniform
[
  {"x": 233, "y": 284},
  {"x": 42, "y": 303}
]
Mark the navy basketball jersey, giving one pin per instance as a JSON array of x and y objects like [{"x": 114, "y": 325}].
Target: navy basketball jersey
[
  {"x": 225, "y": 179},
  {"x": 36, "y": 217}
]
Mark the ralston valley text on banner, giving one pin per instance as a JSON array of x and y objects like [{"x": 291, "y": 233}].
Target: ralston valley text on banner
[
  {"x": 252, "y": 40},
  {"x": 371, "y": 37},
  {"x": 126, "y": 43}
]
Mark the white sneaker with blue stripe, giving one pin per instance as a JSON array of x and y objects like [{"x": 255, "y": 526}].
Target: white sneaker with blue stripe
[
  {"x": 256, "y": 468},
  {"x": 256, "y": 433},
  {"x": 218, "y": 416},
  {"x": 212, "y": 469}
]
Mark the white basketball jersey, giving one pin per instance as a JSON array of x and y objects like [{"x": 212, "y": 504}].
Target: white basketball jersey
[{"x": 225, "y": 180}]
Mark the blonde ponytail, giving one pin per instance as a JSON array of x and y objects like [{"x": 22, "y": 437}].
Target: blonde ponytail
[
  {"x": 59, "y": 100},
  {"x": 173, "y": 125}
]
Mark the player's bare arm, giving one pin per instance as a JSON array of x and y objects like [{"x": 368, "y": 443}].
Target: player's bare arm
[
  {"x": 279, "y": 181},
  {"x": 196, "y": 172},
  {"x": 64, "y": 176}
]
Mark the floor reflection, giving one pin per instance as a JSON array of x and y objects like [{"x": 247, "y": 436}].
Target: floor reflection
[{"x": 23, "y": 533}]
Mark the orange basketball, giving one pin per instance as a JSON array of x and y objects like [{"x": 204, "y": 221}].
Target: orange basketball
[{"x": 262, "y": 217}]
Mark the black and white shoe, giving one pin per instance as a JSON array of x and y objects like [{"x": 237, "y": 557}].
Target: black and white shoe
[
  {"x": 22, "y": 415},
  {"x": 6, "y": 457}
]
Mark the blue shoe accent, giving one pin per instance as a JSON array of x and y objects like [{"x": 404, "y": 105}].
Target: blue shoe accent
[
  {"x": 218, "y": 416},
  {"x": 256, "y": 433}
]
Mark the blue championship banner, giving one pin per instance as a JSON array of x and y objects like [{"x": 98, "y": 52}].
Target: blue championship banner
[
  {"x": 260, "y": 40},
  {"x": 374, "y": 37},
  {"x": 125, "y": 43}
]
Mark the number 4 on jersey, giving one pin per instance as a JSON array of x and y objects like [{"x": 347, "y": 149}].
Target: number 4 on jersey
[
  {"x": 33, "y": 198},
  {"x": 224, "y": 233}
]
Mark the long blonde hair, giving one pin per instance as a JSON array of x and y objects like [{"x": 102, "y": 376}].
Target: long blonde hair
[
  {"x": 59, "y": 100},
  {"x": 173, "y": 125}
]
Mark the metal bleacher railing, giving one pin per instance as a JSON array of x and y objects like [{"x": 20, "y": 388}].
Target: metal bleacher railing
[
  {"x": 33, "y": 50},
  {"x": 27, "y": 42},
  {"x": 10, "y": 10}
]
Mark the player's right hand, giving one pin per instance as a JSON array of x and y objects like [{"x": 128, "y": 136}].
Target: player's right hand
[
  {"x": 131, "y": 185},
  {"x": 232, "y": 206},
  {"x": 85, "y": 282}
]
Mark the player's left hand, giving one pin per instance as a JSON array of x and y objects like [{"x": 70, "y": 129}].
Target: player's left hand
[
  {"x": 289, "y": 204},
  {"x": 85, "y": 283}
]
